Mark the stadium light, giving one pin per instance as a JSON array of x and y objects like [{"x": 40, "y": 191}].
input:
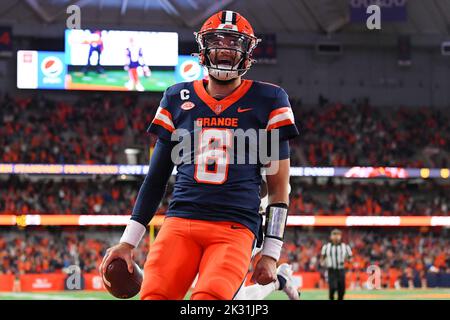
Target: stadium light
[
  {"x": 293, "y": 220},
  {"x": 135, "y": 169}
]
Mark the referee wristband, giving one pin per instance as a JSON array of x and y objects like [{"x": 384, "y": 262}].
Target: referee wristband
[
  {"x": 133, "y": 233},
  {"x": 272, "y": 248}
]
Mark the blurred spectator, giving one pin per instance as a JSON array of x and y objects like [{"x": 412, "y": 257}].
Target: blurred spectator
[
  {"x": 87, "y": 196},
  {"x": 37, "y": 252},
  {"x": 97, "y": 129},
  {"x": 360, "y": 135},
  {"x": 91, "y": 130},
  {"x": 405, "y": 258},
  {"x": 371, "y": 199},
  {"x": 409, "y": 255},
  {"x": 95, "y": 196}
]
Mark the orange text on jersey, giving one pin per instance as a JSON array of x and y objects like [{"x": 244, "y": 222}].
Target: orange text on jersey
[{"x": 220, "y": 122}]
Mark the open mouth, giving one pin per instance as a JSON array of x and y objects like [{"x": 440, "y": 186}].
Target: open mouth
[{"x": 224, "y": 61}]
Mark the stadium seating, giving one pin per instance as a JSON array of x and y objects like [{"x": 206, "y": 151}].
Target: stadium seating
[
  {"x": 40, "y": 130},
  {"x": 409, "y": 258},
  {"x": 87, "y": 196},
  {"x": 361, "y": 135},
  {"x": 377, "y": 199},
  {"x": 44, "y": 251},
  {"x": 406, "y": 258}
]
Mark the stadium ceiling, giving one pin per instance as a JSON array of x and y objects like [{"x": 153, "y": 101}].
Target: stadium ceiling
[{"x": 281, "y": 16}]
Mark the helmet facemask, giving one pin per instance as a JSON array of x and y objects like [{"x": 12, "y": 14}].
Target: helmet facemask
[{"x": 226, "y": 54}]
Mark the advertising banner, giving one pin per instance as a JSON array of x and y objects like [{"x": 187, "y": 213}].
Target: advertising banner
[
  {"x": 51, "y": 70},
  {"x": 6, "y": 282},
  {"x": 41, "y": 70},
  {"x": 93, "y": 282},
  {"x": 188, "y": 69},
  {"x": 42, "y": 282},
  {"x": 391, "y": 10}
]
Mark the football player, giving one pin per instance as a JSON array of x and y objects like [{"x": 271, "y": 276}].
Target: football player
[
  {"x": 284, "y": 280},
  {"x": 213, "y": 222},
  {"x": 135, "y": 60},
  {"x": 95, "y": 42},
  {"x": 260, "y": 292}
]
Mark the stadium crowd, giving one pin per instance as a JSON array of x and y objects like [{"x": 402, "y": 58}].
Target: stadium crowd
[
  {"x": 45, "y": 252},
  {"x": 387, "y": 249},
  {"x": 404, "y": 256},
  {"x": 90, "y": 130},
  {"x": 358, "y": 134},
  {"x": 376, "y": 199},
  {"x": 407, "y": 255},
  {"x": 94, "y": 196},
  {"x": 88, "y": 196},
  {"x": 97, "y": 129}
]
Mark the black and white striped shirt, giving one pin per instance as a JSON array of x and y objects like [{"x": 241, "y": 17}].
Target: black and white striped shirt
[{"x": 336, "y": 254}]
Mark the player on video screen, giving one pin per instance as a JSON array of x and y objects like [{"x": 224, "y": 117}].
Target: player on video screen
[
  {"x": 95, "y": 45},
  {"x": 135, "y": 61}
]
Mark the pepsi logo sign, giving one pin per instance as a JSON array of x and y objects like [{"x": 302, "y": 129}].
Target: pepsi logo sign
[
  {"x": 52, "y": 67},
  {"x": 190, "y": 70}
]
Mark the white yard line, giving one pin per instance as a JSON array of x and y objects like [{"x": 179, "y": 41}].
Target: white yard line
[{"x": 40, "y": 296}]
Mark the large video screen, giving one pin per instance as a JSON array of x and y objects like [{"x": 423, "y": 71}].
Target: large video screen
[
  {"x": 114, "y": 48},
  {"x": 48, "y": 70},
  {"x": 120, "y": 60},
  {"x": 103, "y": 60}
]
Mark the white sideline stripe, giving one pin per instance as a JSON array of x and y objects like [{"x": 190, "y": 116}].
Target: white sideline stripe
[{"x": 41, "y": 296}]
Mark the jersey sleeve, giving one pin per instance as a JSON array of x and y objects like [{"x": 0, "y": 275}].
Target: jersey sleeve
[
  {"x": 324, "y": 250},
  {"x": 349, "y": 251},
  {"x": 162, "y": 124},
  {"x": 281, "y": 117}
]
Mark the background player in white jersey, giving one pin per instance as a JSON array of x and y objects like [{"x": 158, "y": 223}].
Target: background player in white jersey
[
  {"x": 135, "y": 61},
  {"x": 284, "y": 279}
]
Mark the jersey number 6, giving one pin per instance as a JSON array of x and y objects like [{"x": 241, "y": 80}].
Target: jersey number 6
[{"x": 212, "y": 156}]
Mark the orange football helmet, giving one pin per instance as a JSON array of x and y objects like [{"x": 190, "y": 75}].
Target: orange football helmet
[{"x": 226, "y": 42}]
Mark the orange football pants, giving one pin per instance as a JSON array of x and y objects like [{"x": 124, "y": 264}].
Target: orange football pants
[{"x": 220, "y": 252}]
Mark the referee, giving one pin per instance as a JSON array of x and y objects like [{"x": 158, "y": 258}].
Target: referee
[{"x": 333, "y": 256}]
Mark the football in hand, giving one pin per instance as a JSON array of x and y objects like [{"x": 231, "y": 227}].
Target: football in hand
[{"x": 120, "y": 282}]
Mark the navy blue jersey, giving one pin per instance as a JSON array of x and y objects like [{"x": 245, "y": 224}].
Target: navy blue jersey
[
  {"x": 135, "y": 57},
  {"x": 220, "y": 188}
]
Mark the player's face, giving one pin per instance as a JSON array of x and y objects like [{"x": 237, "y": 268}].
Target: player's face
[{"x": 226, "y": 49}]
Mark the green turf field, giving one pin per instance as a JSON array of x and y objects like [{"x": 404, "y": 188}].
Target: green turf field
[
  {"x": 116, "y": 79},
  {"x": 404, "y": 294}
]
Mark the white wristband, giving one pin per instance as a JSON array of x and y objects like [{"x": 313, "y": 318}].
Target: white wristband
[
  {"x": 272, "y": 248},
  {"x": 133, "y": 233}
]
